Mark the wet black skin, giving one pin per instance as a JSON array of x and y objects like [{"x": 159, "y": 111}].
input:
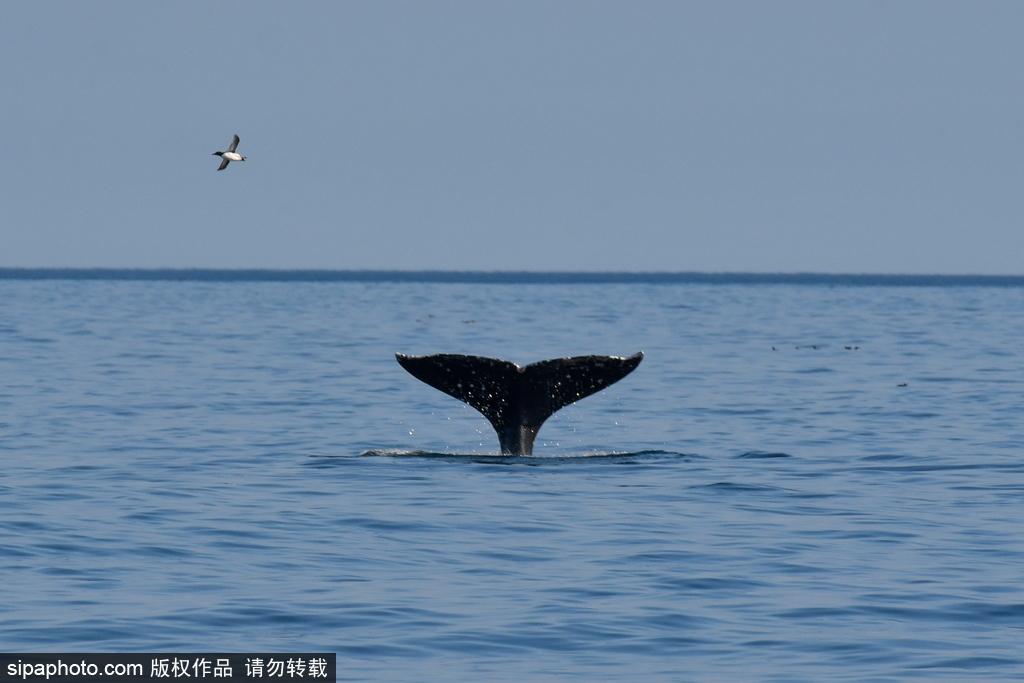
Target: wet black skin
[{"x": 517, "y": 400}]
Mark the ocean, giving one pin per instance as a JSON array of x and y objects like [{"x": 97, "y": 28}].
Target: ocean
[{"x": 808, "y": 478}]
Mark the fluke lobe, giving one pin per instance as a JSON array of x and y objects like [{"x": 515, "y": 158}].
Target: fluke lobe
[{"x": 517, "y": 400}]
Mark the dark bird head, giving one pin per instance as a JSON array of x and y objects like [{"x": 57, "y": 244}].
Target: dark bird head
[{"x": 218, "y": 154}]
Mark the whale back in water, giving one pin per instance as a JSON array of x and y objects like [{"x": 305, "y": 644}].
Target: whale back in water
[{"x": 517, "y": 400}]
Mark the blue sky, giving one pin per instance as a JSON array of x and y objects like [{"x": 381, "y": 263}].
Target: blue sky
[{"x": 745, "y": 136}]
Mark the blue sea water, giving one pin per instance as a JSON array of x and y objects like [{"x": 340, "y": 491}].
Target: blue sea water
[{"x": 805, "y": 480}]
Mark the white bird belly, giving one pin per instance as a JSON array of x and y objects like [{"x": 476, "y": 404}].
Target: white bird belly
[{"x": 232, "y": 156}]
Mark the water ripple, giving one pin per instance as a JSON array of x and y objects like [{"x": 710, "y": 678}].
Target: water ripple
[{"x": 240, "y": 466}]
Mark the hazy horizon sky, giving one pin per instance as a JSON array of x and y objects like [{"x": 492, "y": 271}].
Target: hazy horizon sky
[{"x": 672, "y": 136}]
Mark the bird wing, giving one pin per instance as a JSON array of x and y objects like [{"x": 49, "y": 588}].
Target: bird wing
[
  {"x": 234, "y": 144},
  {"x": 224, "y": 164}
]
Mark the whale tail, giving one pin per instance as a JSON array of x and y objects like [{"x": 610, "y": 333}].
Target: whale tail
[{"x": 517, "y": 400}]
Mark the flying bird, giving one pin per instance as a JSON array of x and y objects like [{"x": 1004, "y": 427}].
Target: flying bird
[{"x": 229, "y": 155}]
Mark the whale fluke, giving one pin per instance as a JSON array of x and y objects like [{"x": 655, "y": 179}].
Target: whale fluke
[{"x": 517, "y": 400}]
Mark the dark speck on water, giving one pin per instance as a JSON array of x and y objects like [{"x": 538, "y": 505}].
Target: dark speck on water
[{"x": 183, "y": 470}]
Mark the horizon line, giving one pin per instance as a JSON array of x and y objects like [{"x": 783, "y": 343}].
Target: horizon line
[{"x": 499, "y": 276}]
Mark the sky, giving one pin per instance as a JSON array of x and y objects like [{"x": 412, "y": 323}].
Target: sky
[{"x": 869, "y": 136}]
